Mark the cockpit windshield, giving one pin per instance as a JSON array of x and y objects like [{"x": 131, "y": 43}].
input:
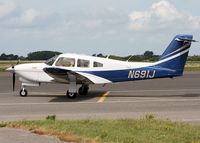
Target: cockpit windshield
[{"x": 51, "y": 60}]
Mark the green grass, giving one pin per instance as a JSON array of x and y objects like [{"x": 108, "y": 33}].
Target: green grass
[
  {"x": 192, "y": 68},
  {"x": 2, "y": 69},
  {"x": 15, "y": 62},
  {"x": 148, "y": 130},
  {"x": 5, "y": 64}
]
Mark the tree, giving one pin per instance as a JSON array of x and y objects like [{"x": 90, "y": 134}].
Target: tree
[
  {"x": 3, "y": 56},
  {"x": 100, "y": 55},
  {"x": 148, "y": 54},
  {"x": 8, "y": 57},
  {"x": 42, "y": 55}
]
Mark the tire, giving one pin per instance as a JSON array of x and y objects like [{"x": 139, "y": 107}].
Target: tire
[
  {"x": 83, "y": 90},
  {"x": 23, "y": 92},
  {"x": 71, "y": 95}
]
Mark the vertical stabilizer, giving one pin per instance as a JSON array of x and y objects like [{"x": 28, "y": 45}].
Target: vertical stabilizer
[{"x": 176, "y": 54}]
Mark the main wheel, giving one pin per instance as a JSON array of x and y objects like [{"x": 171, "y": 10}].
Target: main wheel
[
  {"x": 83, "y": 90},
  {"x": 23, "y": 92},
  {"x": 71, "y": 95}
]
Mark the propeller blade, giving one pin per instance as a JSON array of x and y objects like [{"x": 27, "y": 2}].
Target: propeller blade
[{"x": 13, "y": 79}]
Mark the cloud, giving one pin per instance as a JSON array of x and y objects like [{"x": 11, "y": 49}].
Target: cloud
[
  {"x": 162, "y": 15},
  {"x": 13, "y": 16},
  {"x": 6, "y": 8},
  {"x": 92, "y": 23},
  {"x": 29, "y": 16},
  {"x": 45, "y": 22}
]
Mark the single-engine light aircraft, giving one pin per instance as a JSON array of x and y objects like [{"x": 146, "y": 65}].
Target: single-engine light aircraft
[{"x": 75, "y": 69}]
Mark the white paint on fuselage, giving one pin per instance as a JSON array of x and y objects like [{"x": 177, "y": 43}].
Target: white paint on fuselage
[
  {"x": 108, "y": 64},
  {"x": 33, "y": 72}
]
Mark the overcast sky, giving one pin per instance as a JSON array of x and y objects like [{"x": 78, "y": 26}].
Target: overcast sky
[{"x": 120, "y": 27}]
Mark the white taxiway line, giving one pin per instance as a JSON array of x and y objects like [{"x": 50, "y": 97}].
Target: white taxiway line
[
  {"x": 106, "y": 102},
  {"x": 159, "y": 90}
]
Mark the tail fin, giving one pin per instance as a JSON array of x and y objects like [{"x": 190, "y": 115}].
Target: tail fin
[{"x": 176, "y": 54}]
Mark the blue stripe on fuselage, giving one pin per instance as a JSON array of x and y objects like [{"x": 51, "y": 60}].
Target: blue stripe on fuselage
[{"x": 134, "y": 74}]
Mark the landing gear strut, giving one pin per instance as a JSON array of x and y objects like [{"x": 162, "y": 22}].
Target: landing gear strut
[
  {"x": 23, "y": 92},
  {"x": 72, "y": 92}
]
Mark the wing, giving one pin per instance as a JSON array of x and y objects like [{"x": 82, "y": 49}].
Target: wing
[{"x": 62, "y": 75}]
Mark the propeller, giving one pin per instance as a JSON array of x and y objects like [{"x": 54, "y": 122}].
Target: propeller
[
  {"x": 13, "y": 79},
  {"x": 13, "y": 71}
]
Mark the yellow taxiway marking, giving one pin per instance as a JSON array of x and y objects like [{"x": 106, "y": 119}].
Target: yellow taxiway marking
[{"x": 103, "y": 97}]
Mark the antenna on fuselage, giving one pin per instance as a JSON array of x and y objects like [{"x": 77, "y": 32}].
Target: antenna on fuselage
[
  {"x": 107, "y": 57},
  {"x": 129, "y": 58}
]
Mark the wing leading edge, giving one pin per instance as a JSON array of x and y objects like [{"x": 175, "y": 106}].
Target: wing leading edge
[{"x": 62, "y": 75}]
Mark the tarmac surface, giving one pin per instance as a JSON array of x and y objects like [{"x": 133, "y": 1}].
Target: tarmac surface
[
  {"x": 177, "y": 99},
  {"x": 8, "y": 135}
]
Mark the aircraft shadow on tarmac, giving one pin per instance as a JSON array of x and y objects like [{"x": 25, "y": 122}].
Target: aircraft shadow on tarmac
[
  {"x": 63, "y": 97},
  {"x": 160, "y": 96}
]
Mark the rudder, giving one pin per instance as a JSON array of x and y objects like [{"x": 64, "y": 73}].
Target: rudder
[{"x": 175, "y": 56}]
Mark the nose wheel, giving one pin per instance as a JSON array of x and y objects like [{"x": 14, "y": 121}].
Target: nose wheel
[{"x": 23, "y": 92}]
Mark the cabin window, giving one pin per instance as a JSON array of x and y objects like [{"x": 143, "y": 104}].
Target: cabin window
[
  {"x": 65, "y": 62},
  {"x": 83, "y": 63},
  {"x": 97, "y": 64}
]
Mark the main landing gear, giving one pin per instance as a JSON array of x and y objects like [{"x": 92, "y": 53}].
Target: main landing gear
[
  {"x": 83, "y": 90},
  {"x": 71, "y": 93}
]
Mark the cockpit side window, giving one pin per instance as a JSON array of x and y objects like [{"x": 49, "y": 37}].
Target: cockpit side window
[
  {"x": 83, "y": 63},
  {"x": 97, "y": 64},
  {"x": 51, "y": 60},
  {"x": 65, "y": 62}
]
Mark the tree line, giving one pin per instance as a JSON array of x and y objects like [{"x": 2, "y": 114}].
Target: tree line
[
  {"x": 39, "y": 55},
  {"x": 147, "y": 56},
  {"x": 44, "y": 55}
]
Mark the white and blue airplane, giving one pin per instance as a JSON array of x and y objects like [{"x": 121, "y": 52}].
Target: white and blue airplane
[{"x": 75, "y": 69}]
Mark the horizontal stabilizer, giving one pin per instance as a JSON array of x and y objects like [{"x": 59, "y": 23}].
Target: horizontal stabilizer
[{"x": 185, "y": 39}]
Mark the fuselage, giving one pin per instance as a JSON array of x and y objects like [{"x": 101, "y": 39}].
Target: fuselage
[
  {"x": 108, "y": 70},
  {"x": 34, "y": 71}
]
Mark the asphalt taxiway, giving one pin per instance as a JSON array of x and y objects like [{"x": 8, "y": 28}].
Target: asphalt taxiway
[{"x": 177, "y": 99}]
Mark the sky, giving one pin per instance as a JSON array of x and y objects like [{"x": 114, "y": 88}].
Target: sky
[{"x": 119, "y": 27}]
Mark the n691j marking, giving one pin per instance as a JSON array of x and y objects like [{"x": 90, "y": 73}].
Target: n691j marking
[{"x": 141, "y": 74}]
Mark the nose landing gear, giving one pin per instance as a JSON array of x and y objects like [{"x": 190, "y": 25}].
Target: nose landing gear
[{"x": 23, "y": 92}]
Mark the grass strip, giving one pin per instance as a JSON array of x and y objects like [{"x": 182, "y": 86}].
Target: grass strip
[
  {"x": 192, "y": 68},
  {"x": 148, "y": 130}
]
